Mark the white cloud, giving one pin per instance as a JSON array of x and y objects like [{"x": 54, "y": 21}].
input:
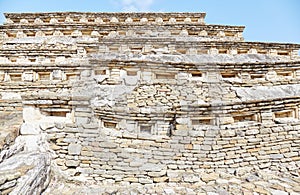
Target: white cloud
[{"x": 135, "y": 5}]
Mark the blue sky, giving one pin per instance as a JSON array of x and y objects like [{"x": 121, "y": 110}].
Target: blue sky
[{"x": 265, "y": 20}]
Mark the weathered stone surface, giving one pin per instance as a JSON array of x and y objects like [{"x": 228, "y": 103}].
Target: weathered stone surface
[
  {"x": 29, "y": 129},
  {"x": 209, "y": 177},
  {"x": 145, "y": 103},
  {"x": 151, "y": 167},
  {"x": 74, "y": 149}
]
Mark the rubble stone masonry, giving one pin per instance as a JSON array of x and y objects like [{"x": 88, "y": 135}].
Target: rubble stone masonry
[{"x": 147, "y": 103}]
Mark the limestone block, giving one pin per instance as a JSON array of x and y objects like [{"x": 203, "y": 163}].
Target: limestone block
[
  {"x": 159, "y": 20},
  {"x": 157, "y": 174},
  {"x": 203, "y": 33},
  {"x": 4, "y": 60},
  {"x": 56, "y": 74},
  {"x": 108, "y": 145},
  {"x": 38, "y": 21},
  {"x": 252, "y": 131},
  {"x": 143, "y": 20},
  {"x": 113, "y": 34},
  {"x": 68, "y": 19},
  {"x": 29, "y": 129},
  {"x": 60, "y": 60},
  {"x": 99, "y": 20},
  {"x": 272, "y": 52},
  {"x": 160, "y": 179},
  {"x": 252, "y": 51},
  {"x": 53, "y": 21},
  {"x": 245, "y": 76},
  {"x": 183, "y": 121},
  {"x": 207, "y": 177},
  {"x": 114, "y": 20},
  {"x": 31, "y": 114},
  {"x": 221, "y": 34},
  {"x": 147, "y": 48},
  {"x": 192, "y": 51},
  {"x": 76, "y": 33},
  {"x": 103, "y": 49},
  {"x": 39, "y": 34},
  {"x": 124, "y": 48},
  {"x": 85, "y": 170},
  {"x": 147, "y": 76},
  {"x": 58, "y": 33},
  {"x": 294, "y": 54},
  {"x": 190, "y": 178},
  {"x": 21, "y": 34},
  {"x": 84, "y": 20},
  {"x": 239, "y": 34},
  {"x": 145, "y": 181},
  {"x": 47, "y": 125},
  {"x": 74, "y": 149},
  {"x": 72, "y": 163},
  {"x": 187, "y": 20},
  {"x": 172, "y": 20},
  {"x": 151, "y": 167},
  {"x": 10, "y": 96},
  {"x": 131, "y": 179},
  {"x": 130, "y": 32},
  {"x": 201, "y": 21},
  {"x": 228, "y": 133},
  {"x": 184, "y": 32},
  {"x": 182, "y": 127},
  {"x": 95, "y": 33},
  {"x": 233, "y": 51},
  {"x": 129, "y": 20},
  {"x": 24, "y": 21},
  {"x": 169, "y": 191},
  {"x": 31, "y": 142}
]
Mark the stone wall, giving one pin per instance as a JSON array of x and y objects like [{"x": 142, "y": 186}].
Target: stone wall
[{"x": 145, "y": 99}]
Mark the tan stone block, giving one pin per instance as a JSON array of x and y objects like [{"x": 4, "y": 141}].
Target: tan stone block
[
  {"x": 131, "y": 179},
  {"x": 206, "y": 177},
  {"x": 248, "y": 186},
  {"x": 160, "y": 179},
  {"x": 87, "y": 153},
  {"x": 260, "y": 190},
  {"x": 189, "y": 146},
  {"x": 182, "y": 127}
]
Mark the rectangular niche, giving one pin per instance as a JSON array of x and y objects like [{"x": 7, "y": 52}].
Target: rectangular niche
[
  {"x": 245, "y": 118},
  {"x": 131, "y": 72},
  {"x": 145, "y": 128},
  {"x": 285, "y": 74},
  {"x": 72, "y": 76},
  {"x": 100, "y": 72},
  {"x": 228, "y": 75},
  {"x": 257, "y": 76},
  {"x": 109, "y": 124},
  {"x": 55, "y": 113},
  {"x": 202, "y": 121},
  {"x": 15, "y": 76},
  {"x": 165, "y": 76},
  {"x": 283, "y": 53},
  {"x": 44, "y": 76},
  {"x": 285, "y": 114},
  {"x": 197, "y": 74}
]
